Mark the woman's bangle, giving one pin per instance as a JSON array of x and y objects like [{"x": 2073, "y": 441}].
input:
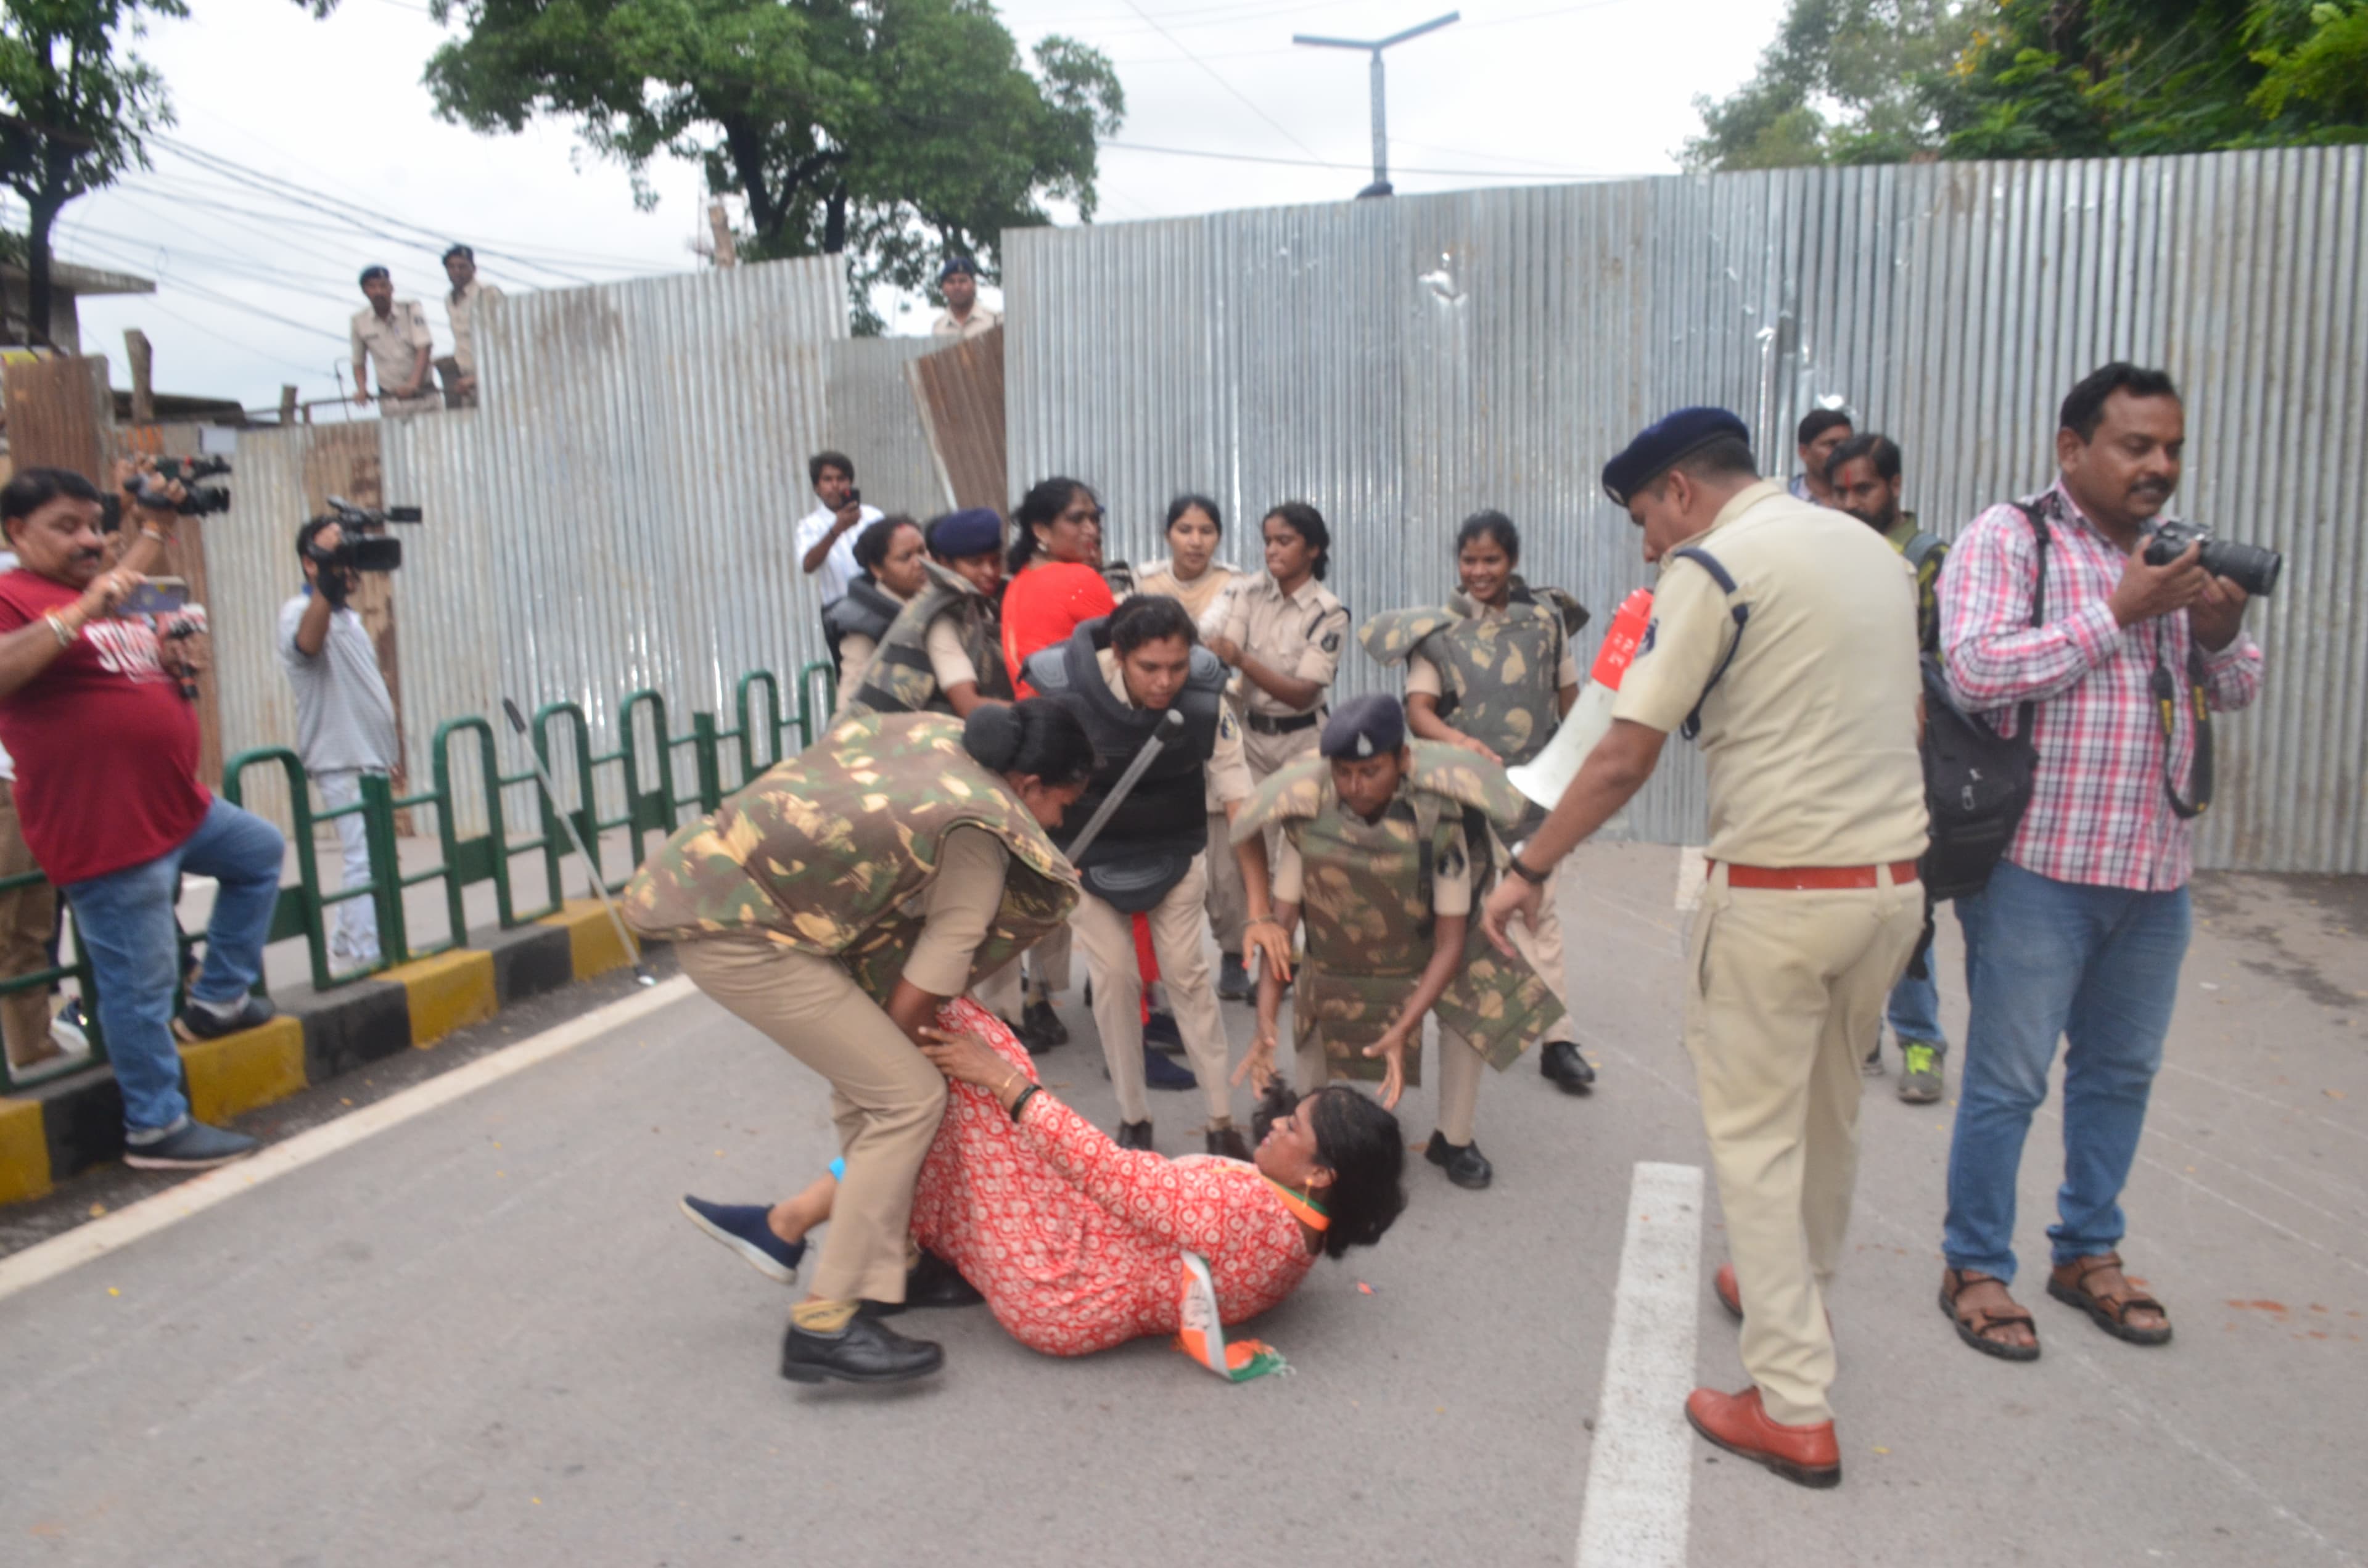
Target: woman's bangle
[{"x": 1025, "y": 1096}]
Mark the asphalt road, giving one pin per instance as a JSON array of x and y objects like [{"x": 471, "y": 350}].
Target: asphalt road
[{"x": 484, "y": 1335}]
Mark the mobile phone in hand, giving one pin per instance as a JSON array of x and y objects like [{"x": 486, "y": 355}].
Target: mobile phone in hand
[{"x": 157, "y": 595}]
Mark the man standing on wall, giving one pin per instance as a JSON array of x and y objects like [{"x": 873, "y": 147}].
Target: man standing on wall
[
  {"x": 393, "y": 336},
  {"x": 964, "y": 315},
  {"x": 460, "y": 306}
]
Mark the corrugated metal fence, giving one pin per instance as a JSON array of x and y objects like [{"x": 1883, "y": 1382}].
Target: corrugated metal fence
[
  {"x": 1403, "y": 363},
  {"x": 617, "y": 515}
]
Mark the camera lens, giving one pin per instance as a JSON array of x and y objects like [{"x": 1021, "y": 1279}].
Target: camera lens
[{"x": 2251, "y": 567}]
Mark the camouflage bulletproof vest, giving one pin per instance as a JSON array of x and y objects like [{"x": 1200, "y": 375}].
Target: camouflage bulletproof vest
[
  {"x": 1366, "y": 903},
  {"x": 832, "y": 851},
  {"x": 900, "y": 680},
  {"x": 1499, "y": 672}
]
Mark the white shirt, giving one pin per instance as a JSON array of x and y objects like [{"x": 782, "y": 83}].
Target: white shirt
[
  {"x": 345, "y": 718},
  {"x": 838, "y": 568}
]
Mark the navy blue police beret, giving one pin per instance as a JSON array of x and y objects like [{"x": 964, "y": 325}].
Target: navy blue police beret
[
  {"x": 1657, "y": 448},
  {"x": 975, "y": 530},
  {"x": 1363, "y": 727},
  {"x": 371, "y": 272},
  {"x": 957, "y": 264}
]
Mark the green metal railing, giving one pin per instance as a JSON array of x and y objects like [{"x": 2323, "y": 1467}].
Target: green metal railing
[{"x": 645, "y": 760}]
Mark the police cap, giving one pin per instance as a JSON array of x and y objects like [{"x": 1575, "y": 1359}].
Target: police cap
[
  {"x": 1657, "y": 449},
  {"x": 371, "y": 272},
  {"x": 975, "y": 530},
  {"x": 957, "y": 264},
  {"x": 1363, "y": 727}
]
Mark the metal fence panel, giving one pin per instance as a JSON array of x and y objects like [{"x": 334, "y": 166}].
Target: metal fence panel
[
  {"x": 1403, "y": 363},
  {"x": 617, "y": 516}
]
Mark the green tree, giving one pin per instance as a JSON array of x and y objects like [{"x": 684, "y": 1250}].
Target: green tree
[
  {"x": 79, "y": 106},
  {"x": 1846, "y": 81},
  {"x": 890, "y": 131}
]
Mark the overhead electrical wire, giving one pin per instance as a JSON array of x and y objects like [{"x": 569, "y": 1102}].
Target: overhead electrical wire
[{"x": 1218, "y": 77}]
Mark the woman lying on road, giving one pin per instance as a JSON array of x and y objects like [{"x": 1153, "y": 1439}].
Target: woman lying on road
[{"x": 1078, "y": 1244}]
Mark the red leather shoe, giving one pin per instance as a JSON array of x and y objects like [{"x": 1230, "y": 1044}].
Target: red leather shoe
[
  {"x": 1730, "y": 1294},
  {"x": 1735, "y": 1422}
]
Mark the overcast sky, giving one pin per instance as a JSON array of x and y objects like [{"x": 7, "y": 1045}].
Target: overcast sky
[{"x": 255, "y": 288}]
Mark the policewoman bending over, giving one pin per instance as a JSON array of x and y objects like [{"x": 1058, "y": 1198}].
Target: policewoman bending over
[
  {"x": 1784, "y": 637},
  {"x": 834, "y": 905},
  {"x": 1383, "y": 845},
  {"x": 1492, "y": 671}
]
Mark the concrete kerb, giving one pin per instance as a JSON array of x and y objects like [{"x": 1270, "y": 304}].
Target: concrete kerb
[{"x": 60, "y": 1128}]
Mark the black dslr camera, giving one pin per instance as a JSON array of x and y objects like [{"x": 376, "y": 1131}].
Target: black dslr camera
[
  {"x": 362, "y": 544},
  {"x": 2250, "y": 566},
  {"x": 199, "y": 499}
]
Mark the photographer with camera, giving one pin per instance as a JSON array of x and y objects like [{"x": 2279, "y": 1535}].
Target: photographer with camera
[
  {"x": 2104, "y": 640},
  {"x": 106, "y": 745},
  {"x": 825, "y": 539},
  {"x": 345, "y": 716}
]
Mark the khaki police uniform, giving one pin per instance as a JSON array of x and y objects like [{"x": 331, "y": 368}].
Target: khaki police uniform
[
  {"x": 981, "y": 320},
  {"x": 1209, "y": 598},
  {"x": 392, "y": 344},
  {"x": 1106, "y": 938},
  {"x": 461, "y": 309},
  {"x": 1539, "y": 942},
  {"x": 1301, "y": 635},
  {"x": 887, "y": 1098},
  {"x": 1460, "y": 1065},
  {"x": 1809, "y": 739}
]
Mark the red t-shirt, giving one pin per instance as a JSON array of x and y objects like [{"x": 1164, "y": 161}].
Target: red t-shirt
[
  {"x": 1043, "y": 605},
  {"x": 105, "y": 746}
]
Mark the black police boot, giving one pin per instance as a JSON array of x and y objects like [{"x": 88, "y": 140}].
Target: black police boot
[
  {"x": 1042, "y": 1026},
  {"x": 1233, "y": 980},
  {"x": 865, "y": 1351},
  {"x": 934, "y": 1283},
  {"x": 1134, "y": 1134},
  {"x": 1227, "y": 1141},
  {"x": 1464, "y": 1163},
  {"x": 1567, "y": 1069}
]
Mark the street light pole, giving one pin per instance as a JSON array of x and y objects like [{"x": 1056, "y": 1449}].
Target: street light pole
[{"x": 1381, "y": 185}]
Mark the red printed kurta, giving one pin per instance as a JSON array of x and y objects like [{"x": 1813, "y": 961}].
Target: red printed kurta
[{"x": 1073, "y": 1240}]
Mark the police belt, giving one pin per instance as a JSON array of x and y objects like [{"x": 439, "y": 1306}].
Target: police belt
[{"x": 1260, "y": 724}]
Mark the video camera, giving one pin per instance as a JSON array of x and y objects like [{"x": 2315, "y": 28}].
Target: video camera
[
  {"x": 199, "y": 499},
  {"x": 2251, "y": 567},
  {"x": 362, "y": 544}
]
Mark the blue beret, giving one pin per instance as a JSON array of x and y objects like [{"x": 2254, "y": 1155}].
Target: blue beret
[
  {"x": 1657, "y": 451},
  {"x": 957, "y": 264},
  {"x": 371, "y": 272},
  {"x": 1364, "y": 726},
  {"x": 972, "y": 532}
]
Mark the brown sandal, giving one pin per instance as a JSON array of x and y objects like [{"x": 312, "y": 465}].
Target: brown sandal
[
  {"x": 2068, "y": 1283},
  {"x": 1975, "y": 1330}
]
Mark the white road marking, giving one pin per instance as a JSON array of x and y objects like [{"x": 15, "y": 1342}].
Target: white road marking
[
  {"x": 96, "y": 1240},
  {"x": 1640, "y": 1472}
]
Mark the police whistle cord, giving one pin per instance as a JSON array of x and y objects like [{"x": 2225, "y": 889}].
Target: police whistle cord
[
  {"x": 1171, "y": 724},
  {"x": 591, "y": 867}
]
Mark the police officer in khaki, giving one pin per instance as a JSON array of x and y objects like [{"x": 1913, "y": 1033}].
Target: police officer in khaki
[
  {"x": 834, "y": 903},
  {"x": 1384, "y": 844},
  {"x": 392, "y": 334},
  {"x": 1492, "y": 672},
  {"x": 468, "y": 292},
  {"x": 1285, "y": 634},
  {"x": 1783, "y": 638}
]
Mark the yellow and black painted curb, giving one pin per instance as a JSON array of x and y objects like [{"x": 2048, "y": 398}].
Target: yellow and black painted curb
[{"x": 59, "y": 1128}]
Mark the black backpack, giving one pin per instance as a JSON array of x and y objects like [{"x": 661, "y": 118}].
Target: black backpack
[{"x": 1976, "y": 781}]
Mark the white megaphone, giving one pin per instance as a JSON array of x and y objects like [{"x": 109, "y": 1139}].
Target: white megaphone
[{"x": 1545, "y": 778}]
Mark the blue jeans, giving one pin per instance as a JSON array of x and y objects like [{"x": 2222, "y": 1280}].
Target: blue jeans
[
  {"x": 2098, "y": 967},
  {"x": 124, "y": 924},
  {"x": 1915, "y": 1005}
]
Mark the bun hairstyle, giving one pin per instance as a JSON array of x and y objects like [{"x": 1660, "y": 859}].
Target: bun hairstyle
[
  {"x": 872, "y": 544},
  {"x": 1044, "y": 502},
  {"x": 1149, "y": 617},
  {"x": 1308, "y": 524},
  {"x": 1038, "y": 738}
]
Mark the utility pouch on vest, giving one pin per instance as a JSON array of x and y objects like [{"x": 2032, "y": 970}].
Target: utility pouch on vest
[{"x": 1136, "y": 884}]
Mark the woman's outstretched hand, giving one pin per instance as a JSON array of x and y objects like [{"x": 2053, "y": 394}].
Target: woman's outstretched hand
[
  {"x": 1392, "y": 1049},
  {"x": 1258, "y": 1065},
  {"x": 966, "y": 1059}
]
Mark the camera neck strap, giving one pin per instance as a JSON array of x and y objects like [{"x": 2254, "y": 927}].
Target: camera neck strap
[{"x": 2166, "y": 705}]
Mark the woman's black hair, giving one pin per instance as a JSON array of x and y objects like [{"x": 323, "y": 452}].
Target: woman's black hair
[
  {"x": 1044, "y": 502},
  {"x": 1183, "y": 504},
  {"x": 1363, "y": 1147},
  {"x": 1150, "y": 618},
  {"x": 1491, "y": 525},
  {"x": 1038, "y": 737},
  {"x": 1308, "y": 524},
  {"x": 872, "y": 544}
]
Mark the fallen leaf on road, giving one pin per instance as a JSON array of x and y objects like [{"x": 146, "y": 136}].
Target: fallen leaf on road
[
  {"x": 97, "y": 1210},
  {"x": 1883, "y": 1451},
  {"x": 113, "y": 1291},
  {"x": 2333, "y": 1094}
]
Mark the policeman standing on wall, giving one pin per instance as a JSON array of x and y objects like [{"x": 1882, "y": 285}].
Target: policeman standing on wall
[
  {"x": 1783, "y": 637},
  {"x": 1384, "y": 844}
]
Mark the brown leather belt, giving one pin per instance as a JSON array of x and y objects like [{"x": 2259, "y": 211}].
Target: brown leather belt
[
  {"x": 1804, "y": 879},
  {"x": 1292, "y": 725}
]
